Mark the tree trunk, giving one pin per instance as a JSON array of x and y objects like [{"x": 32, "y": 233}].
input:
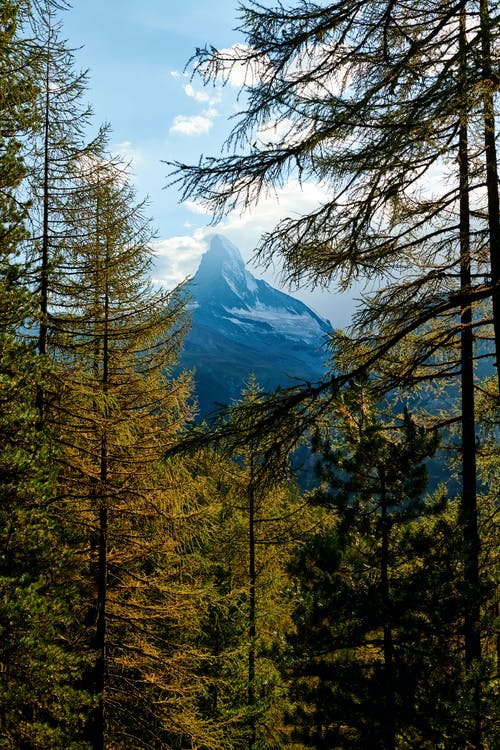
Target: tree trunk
[
  {"x": 97, "y": 724},
  {"x": 252, "y": 604},
  {"x": 44, "y": 261},
  {"x": 388, "y": 720},
  {"x": 491, "y": 174},
  {"x": 469, "y": 496}
]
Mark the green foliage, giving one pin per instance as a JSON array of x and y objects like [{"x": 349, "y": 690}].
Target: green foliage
[
  {"x": 253, "y": 517},
  {"x": 368, "y": 100},
  {"x": 142, "y": 603},
  {"x": 114, "y": 340},
  {"x": 40, "y": 705},
  {"x": 376, "y": 604}
]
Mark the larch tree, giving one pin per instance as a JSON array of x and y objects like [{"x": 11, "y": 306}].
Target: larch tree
[
  {"x": 115, "y": 340},
  {"x": 40, "y": 704},
  {"x": 368, "y": 97},
  {"x": 63, "y": 120},
  {"x": 110, "y": 407},
  {"x": 257, "y": 518}
]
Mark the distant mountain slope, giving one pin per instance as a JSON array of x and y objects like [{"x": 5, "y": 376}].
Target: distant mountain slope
[{"x": 242, "y": 325}]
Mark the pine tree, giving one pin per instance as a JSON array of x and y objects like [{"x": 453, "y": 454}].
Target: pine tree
[{"x": 374, "y": 656}]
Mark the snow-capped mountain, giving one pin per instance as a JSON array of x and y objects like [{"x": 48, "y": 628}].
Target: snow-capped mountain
[{"x": 242, "y": 325}]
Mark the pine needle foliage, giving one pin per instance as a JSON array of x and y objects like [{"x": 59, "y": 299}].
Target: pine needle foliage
[
  {"x": 376, "y": 657},
  {"x": 40, "y": 703}
]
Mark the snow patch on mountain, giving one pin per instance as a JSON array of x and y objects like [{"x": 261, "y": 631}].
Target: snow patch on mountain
[
  {"x": 230, "y": 281},
  {"x": 251, "y": 282},
  {"x": 289, "y": 323},
  {"x": 242, "y": 326},
  {"x": 227, "y": 296}
]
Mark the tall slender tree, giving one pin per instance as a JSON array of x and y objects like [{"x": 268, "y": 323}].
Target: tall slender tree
[
  {"x": 39, "y": 703},
  {"x": 63, "y": 120},
  {"x": 256, "y": 520},
  {"x": 115, "y": 340},
  {"x": 488, "y": 33},
  {"x": 472, "y": 646}
]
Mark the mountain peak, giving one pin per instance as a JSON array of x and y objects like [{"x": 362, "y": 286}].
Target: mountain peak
[
  {"x": 223, "y": 285},
  {"x": 221, "y": 256},
  {"x": 242, "y": 325},
  {"x": 222, "y": 276}
]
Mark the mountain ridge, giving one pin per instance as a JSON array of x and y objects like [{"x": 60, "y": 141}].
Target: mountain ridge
[{"x": 241, "y": 325}]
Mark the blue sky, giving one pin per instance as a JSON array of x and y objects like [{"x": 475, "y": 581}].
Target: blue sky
[{"x": 136, "y": 53}]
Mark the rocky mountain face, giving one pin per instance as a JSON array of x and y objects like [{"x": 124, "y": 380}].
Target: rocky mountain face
[{"x": 242, "y": 326}]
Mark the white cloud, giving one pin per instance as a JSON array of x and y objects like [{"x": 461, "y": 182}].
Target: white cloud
[
  {"x": 210, "y": 112},
  {"x": 237, "y": 65},
  {"x": 196, "y": 208},
  {"x": 176, "y": 258},
  {"x": 198, "y": 96},
  {"x": 130, "y": 155},
  {"x": 202, "y": 96},
  {"x": 293, "y": 199},
  {"x": 200, "y": 124},
  {"x": 191, "y": 125},
  {"x": 283, "y": 131}
]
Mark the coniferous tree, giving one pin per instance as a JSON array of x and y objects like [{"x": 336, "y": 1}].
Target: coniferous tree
[
  {"x": 110, "y": 410},
  {"x": 375, "y": 659},
  {"x": 274, "y": 519},
  {"x": 60, "y": 144},
  {"x": 488, "y": 32},
  {"x": 370, "y": 99},
  {"x": 115, "y": 341},
  {"x": 255, "y": 522},
  {"x": 39, "y": 704},
  {"x": 386, "y": 74}
]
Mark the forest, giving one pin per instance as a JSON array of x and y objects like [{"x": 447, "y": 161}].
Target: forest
[{"x": 167, "y": 584}]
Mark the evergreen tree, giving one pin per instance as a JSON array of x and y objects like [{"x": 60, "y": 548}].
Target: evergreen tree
[
  {"x": 374, "y": 659},
  {"x": 39, "y": 705}
]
